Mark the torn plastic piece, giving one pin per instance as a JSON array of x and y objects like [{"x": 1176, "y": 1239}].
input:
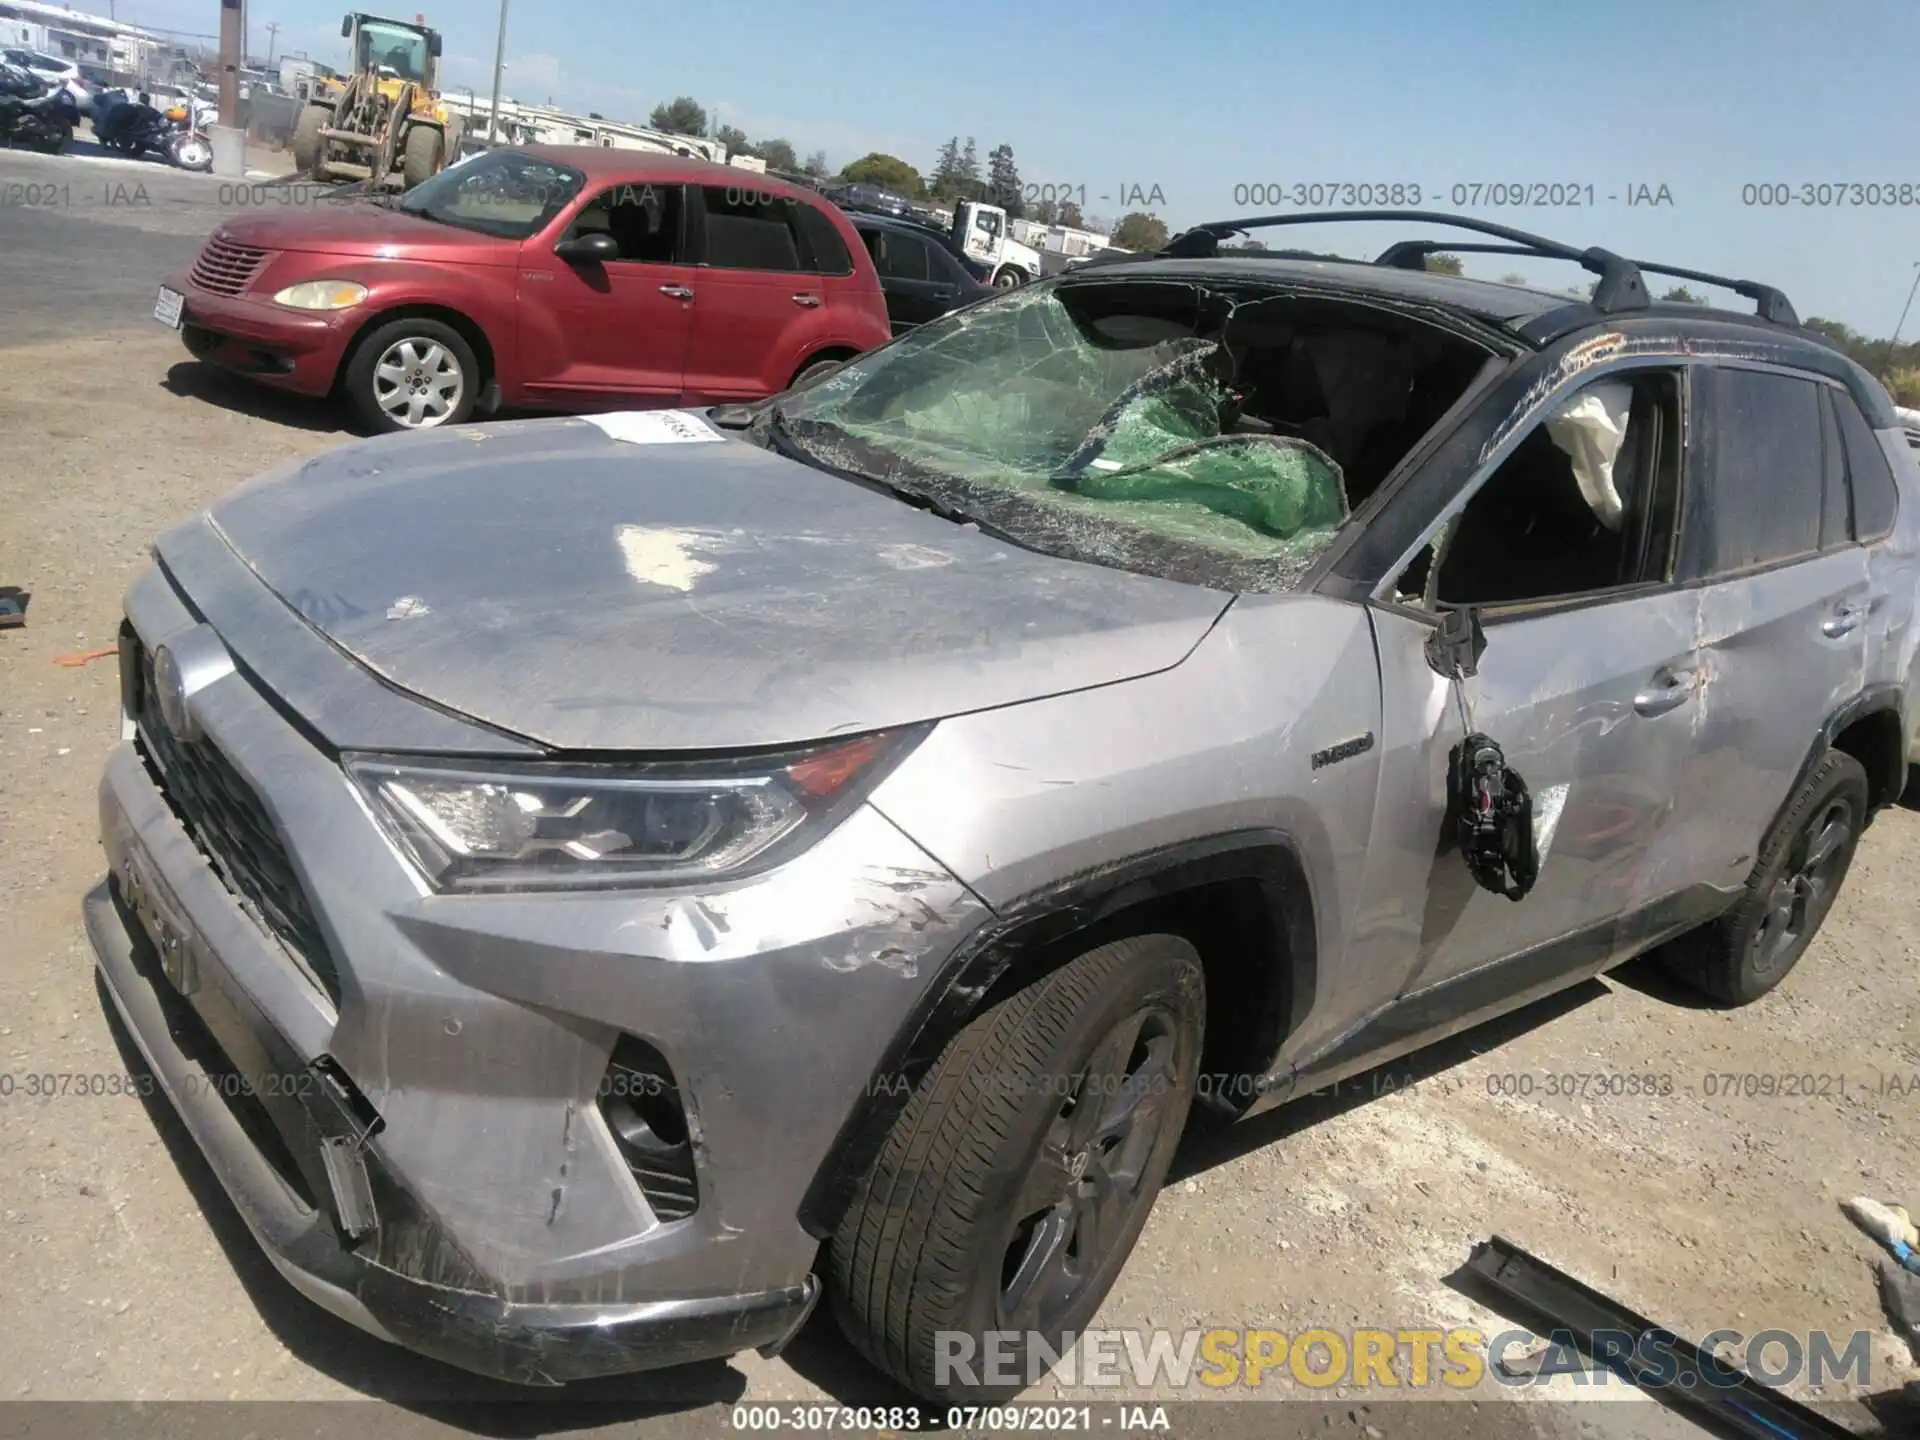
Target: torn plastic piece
[
  {"x": 352, "y": 1189},
  {"x": 1590, "y": 428}
]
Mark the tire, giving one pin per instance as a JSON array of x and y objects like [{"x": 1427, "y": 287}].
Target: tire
[
  {"x": 1752, "y": 948},
  {"x": 55, "y": 140},
  {"x": 422, "y": 156},
  {"x": 190, "y": 152},
  {"x": 306, "y": 138},
  {"x": 818, "y": 370},
  {"x": 963, "y": 1196},
  {"x": 1007, "y": 278},
  {"x": 427, "y": 346}
]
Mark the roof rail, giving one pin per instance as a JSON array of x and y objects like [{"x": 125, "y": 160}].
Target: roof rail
[{"x": 1620, "y": 287}]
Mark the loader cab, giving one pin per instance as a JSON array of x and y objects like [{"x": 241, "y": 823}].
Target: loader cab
[{"x": 394, "y": 49}]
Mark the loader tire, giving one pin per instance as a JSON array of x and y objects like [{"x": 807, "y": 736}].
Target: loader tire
[
  {"x": 423, "y": 155},
  {"x": 306, "y": 138}
]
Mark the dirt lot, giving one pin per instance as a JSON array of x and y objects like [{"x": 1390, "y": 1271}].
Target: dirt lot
[{"x": 125, "y": 1275}]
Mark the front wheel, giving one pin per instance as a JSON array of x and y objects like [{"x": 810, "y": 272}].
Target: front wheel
[
  {"x": 412, "y": 375},
  {"x": 1803, "y": 862},
  {"x": 1006, "y": 278},
  {"x": 1013, "y": 1186},
  {"x": 190, "y": 152}
]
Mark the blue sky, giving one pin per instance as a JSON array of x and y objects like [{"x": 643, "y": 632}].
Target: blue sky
[{"x": 1703, "y": 96}]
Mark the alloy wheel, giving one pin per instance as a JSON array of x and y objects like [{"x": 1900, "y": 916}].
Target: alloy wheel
[
  {"x": 1084, "y": 1187},
  {"x": 418, "y": 383},
  {"x": 1801, "y": 897}
]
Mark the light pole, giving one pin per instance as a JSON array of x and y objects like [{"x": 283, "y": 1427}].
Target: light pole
[
  {"x": 499, "y": 64},
  {"x": 1894, "y": 343}
]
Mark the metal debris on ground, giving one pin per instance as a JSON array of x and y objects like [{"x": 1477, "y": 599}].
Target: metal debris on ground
[{"x": 13, "y": 607}]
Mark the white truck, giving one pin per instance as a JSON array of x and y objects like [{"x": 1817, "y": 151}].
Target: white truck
[{"x": 984, "y": 232}]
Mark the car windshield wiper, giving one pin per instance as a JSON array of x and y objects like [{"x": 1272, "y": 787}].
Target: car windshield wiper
[{"x": 790, "y": 446}]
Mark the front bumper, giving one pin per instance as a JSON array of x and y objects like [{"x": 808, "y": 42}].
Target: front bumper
[
  {"x": 511, "y": 1236},
  {"x": 293, "y": 350}
]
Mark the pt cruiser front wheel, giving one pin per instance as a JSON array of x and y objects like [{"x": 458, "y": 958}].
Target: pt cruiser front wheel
[{"x": 1012, "y": 1187}]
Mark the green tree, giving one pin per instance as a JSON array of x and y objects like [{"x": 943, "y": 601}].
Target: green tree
[
  {"x": 682, "y": 116},
  {"x": 1068, "y": 214},
  {"x": 778, "y": 154},
  {"x": 889, "y": 172},
  {"x": 1246, "y": 245},
  {"x": 1140, "y": 231},
  {"x": 1003, "y": 181},
  {"x": 1445, "y": 265},
  {"x": 970, "y": 171},
  {"x": 944, "y": 182},
  {"x": 816, "y": 165},
  {"x": 734, "y": 138},
  {"x": 1904, "y": 386},
  {"x": 1513, "y": 277},
  {"x": 1684, "y": 296},
  {"x": 1046, "y": 212}
]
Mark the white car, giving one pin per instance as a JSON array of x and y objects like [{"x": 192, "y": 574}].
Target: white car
[{"x": 54, "y": 71}]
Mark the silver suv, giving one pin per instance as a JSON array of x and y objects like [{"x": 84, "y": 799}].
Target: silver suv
[{"x": 592, "y": 886}]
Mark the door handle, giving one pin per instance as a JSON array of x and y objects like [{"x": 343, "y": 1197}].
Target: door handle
[
  {"x": 1844, "y": 621},
  {"x": 678, "y": 292},
  {"x": 807, "y": 300},
  {"x": 1674, "y": 689}
]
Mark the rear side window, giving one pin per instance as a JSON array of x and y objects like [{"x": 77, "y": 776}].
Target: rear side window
[
  {"x": 897, "y": 257},
  {"x": 825, "y": 253},
  {"x": 1766, "y": 476},
  {"x": 748, "y": 229},
  {"x": 1875, "y": 496}
]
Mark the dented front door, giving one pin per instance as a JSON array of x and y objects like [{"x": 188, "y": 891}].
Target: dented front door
[{"x": 1592, "y": 706}]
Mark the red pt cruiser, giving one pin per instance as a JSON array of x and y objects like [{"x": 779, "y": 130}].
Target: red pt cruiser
[{"x": 540, "y": 277}]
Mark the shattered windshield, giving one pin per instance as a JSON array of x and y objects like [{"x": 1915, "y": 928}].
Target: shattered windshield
[{"x": 1094, "y": 420}]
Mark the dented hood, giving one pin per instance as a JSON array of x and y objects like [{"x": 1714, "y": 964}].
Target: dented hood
[{"x": 660, "y": 593}]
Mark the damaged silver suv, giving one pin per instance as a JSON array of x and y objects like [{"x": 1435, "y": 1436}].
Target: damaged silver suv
[{"x": 593, "y": 886}]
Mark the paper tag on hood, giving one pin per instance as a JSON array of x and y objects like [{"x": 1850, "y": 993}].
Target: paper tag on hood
[{"x": 654, "y": 427}]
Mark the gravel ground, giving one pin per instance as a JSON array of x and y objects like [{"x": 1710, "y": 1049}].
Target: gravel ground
[{"x": 127, "y": 1276}]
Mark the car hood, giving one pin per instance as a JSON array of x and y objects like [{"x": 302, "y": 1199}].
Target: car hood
[
  {"x": 338, "y": 227},
  {"x": 594, "y": 593}
]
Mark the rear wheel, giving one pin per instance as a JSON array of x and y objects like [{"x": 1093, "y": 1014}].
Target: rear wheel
[
  {"x": 1006, "y": 277},
  {"x": 818, "y": 370},
  {"x": 306, "y": 137},
  {"x": 412, "y": 375},
  {"x": 1010, "y": 1191},
  {"x": 1751, "y": 949},
  {"x": 57, "y": 136}
]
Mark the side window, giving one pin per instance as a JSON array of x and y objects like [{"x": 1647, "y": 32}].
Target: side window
[
  {"x": 899, "y": 257},
  {"x": 1588, "y": 502},
  {"x": 1876, "y": 497},
  {"x": 749, "y": 229},
  {"x": 826, "y": 252},
  {"x": 643, "y": 219},
  {"x": 1764, "y": 476}
]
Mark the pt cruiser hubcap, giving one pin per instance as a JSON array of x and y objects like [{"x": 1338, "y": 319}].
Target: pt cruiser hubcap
[{"x": 418, "y": 383}]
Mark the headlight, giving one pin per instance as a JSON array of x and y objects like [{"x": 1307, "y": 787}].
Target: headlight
[
  {"x": 322, "y": 295},
  {"x": 558, "y": 827}
]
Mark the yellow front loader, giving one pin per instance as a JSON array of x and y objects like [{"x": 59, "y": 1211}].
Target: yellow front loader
[{"x": 384, "y": 123}]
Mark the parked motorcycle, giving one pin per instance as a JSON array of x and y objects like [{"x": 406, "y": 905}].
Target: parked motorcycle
[
  {"x": 134, "y": 127},
  {"x": 34, "y": 112}
]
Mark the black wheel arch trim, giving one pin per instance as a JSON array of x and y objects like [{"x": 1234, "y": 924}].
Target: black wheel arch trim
[
  {"x": 1024, "y": 941},
  {"x": 1882, "y": 698}
]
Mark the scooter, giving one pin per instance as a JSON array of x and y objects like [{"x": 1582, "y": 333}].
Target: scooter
[
  {"x": 35, "y": 113},
  {"x": 134, "y": 127}
]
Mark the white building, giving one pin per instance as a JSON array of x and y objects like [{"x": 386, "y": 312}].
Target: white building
[{"x": 78, "y": 36}]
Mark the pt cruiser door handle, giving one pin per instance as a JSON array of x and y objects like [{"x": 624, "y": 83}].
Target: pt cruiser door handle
[
  {"x": 1672, "y": 689},
  {"x": 808, "y": 300},
  {"x": 678, "y": 292}
]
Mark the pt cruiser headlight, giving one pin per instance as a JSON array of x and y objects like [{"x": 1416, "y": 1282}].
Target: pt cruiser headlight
[
  {"x": 322, "y": 295},
  {"x": 542, "y": 826}
]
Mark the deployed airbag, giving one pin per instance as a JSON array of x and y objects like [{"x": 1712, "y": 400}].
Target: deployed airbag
[{"x": 1590, "y": 428}]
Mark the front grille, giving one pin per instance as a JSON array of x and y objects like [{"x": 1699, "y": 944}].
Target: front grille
[
  {"x": 229, "y": 824},
  {"x": 226, "y": 268}
]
